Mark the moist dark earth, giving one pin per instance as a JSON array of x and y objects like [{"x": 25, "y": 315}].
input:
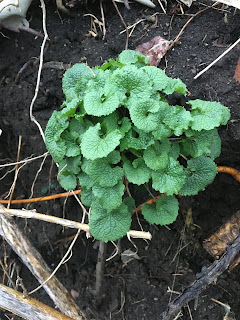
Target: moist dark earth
[{"x": 138, "y": 289}]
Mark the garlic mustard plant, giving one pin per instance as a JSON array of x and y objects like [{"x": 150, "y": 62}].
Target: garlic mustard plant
[{"x": 117, "y": 126}]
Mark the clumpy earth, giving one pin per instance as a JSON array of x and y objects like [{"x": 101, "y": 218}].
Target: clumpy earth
[{"x": 140, "y": 289}]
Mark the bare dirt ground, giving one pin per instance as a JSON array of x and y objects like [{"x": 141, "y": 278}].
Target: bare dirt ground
[{"x": 138, "y": 290}]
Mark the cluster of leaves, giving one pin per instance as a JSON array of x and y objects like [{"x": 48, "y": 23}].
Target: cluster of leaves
[{"x": 116, "y": 125}]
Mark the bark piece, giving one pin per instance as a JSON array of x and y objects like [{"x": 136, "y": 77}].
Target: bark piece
[
  {"x": 38, "y": 267},
  {"x": 217, "y": 243},
  {"x": 27, "y": 307}
]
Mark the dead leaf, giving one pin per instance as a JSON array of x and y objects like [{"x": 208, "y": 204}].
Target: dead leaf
[{"x": 154, "y": 49}]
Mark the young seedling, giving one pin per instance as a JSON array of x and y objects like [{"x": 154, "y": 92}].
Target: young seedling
[{"x": 117, "y": 125}]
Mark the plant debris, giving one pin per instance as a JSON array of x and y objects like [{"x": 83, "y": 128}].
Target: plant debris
[
  {"x": 218, "y": 242},
  {"x": 154, "y": 49},
  {"x": 237, "y": 72}
]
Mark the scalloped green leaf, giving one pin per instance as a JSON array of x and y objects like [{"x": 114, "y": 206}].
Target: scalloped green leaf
[
  {"x": 55, "y": 145},
  {"x": 199, "y": 142},
  {"x": 169, "y": 180},
  {"x": 158, "y": 79},
  {"x": 85, "y": 180},
  {"x": 67, "y": 180},
  {"x": 110, "y": 122},
  {"x": 136, "y": 139},
  {"x": 175, "y": 85},
  {"x": 156, "y": 156},
  {"x": 132, "y": 57},
  {"x": 109, "y": 226},
  {"x": 130, "y": 83},
  {"x": 178, "y": 119},
  {"x": 215, "y": 147},
  {"x": 73, "y": 164},
  {"x": 130, "y": 203},
  {"x": 103, "y": 172},
  {"x": 164, "y": 211},
  {"x": 208, "y": 115},
  {"x": 124, "y": 125},
  {"x": 75, "y": 80},
  {"x": 70, "y": 107},
  {"x": 87, "y": 197},
  {"x": 77, "y": 128},
  {"x": 100, "y": 97},
  {"x": 110, "y": 198},
  {"x": 95, "y": 146},
  {"x": 137, "y": 172},
  {"x": 162, "y": 132},
  {"x": 73, "y": 148},
  {"x": 143, "y": 114},
  {"x": 201, "y": 171},
  {"x": 100, "y": 103}
]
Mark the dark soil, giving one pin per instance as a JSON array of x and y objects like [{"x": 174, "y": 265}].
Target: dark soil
[{"x": 138, "y": 290}]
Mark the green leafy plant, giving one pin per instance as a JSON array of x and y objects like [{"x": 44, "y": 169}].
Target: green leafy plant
[{"x": 117, "y": 126}]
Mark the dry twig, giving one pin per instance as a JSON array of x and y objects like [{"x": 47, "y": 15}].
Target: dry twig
[
  {"x": 206, "y": 277},
  {"x": 183, "y": 28},
  {"x": 124, "y": 23}
]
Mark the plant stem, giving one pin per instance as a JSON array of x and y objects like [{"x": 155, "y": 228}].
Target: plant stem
[{"x": 100, "y": 271}]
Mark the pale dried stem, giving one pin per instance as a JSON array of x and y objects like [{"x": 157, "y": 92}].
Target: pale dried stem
[
  {"x": 36, "y": 176},
  {"x": 16, "y": 173},
  {"x": 64, "y": 260},
  {"x": 216, "y": 60},
  {"x": 23, "y": 161},
  {"x": 31, "y": 214},
  {"x": 123, "y": 22},
  {"x": 103, "y": 21},
  {"x": 14, "y": 181},
  {"x": 40, "y": 70},
  {"x": 162, "y": 7},
  {"x": 9, "y": 171}
]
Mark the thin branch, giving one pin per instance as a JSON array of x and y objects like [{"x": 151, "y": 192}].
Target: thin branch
[{"x": 100, "y": 271}]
